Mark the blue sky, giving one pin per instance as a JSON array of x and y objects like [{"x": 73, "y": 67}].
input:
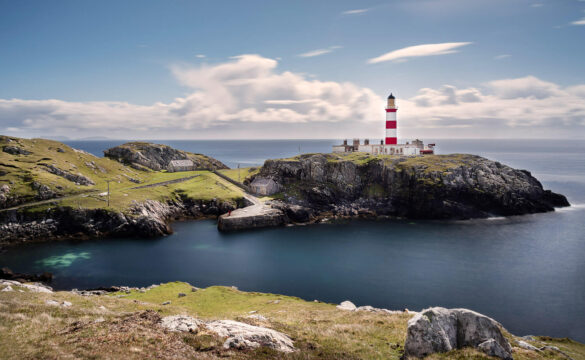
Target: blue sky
[{"x": 93, "y": 58}]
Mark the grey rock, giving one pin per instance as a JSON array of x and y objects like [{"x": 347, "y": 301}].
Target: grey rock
[
  {"x": 438, "y": 329},
  {"x": 524, "y": 345},
  {"x": 166, "y": 303},
  {"x": 347, "y": 305},
  {"x": 52, "y": 302},
  {"x": 78, "y": 179},
  {"x": 242, "y": 336},
  {"x": 7, "y": 288},
  {"x": 182, "y": 294},
  {"x": 492, "y": 348},
  {"x": 471, "y": 187},
  {"x": 181, "y": 323},
  {"x": 15, "y": 150},
  {"x": 156, "y": 157},
  {"x": 257, "y": 317},
  {"x": 66, "y": 304}
]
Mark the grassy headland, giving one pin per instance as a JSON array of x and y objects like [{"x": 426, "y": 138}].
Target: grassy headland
[{"x": 116, "y": 325}]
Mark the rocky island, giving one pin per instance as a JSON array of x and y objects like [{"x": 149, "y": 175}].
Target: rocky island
[{"x": 49, "y": 190}]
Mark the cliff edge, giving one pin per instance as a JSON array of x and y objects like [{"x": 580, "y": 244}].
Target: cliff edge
[{"x": 456, "y": 186}]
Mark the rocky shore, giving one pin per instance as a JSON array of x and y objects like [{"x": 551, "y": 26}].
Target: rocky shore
[
  {"x": 144, "y": 219},
  {"x": 61, "y": 190},
  {"x": 459, "y": 186}
]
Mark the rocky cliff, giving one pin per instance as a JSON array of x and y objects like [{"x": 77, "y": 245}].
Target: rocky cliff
[
  {"x": 144, "y": 219},
  {"x": 157, "y": 157},
  {"x": 454, "y": 186}
]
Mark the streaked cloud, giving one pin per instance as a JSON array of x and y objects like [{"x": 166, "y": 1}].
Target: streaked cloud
[
  {"x": 248, "y": 97},
  {"x": 419, "y": 51},
  {"x": 319, "y": 52},
  {"x": 355, "y": 11},
  {"x": 537, "y": 5},
  {"x": 579, "y": 22},
  {"x": 200, "y": 56},
  {"x": 503, "y": 56}
]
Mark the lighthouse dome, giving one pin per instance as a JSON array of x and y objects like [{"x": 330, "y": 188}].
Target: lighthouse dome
[{"x": 391, "y": 96}]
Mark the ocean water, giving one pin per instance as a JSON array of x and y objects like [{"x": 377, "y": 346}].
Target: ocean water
[{"x": 527, "y": 272}]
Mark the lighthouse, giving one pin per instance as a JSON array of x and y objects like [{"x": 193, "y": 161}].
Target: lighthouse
[
  {"x": 391, "y": 128},
  {"x": 390, "y": 145}
]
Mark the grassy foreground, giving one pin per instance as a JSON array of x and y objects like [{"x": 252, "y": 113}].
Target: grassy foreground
[{"x": 125, "y": 326}]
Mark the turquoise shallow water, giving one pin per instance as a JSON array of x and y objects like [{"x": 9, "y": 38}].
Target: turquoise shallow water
[{"x": 527, "y": 272}]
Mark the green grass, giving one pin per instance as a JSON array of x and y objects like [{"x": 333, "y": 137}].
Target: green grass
[
  {"x": 240, "y": 174},
  {"x": 319, "y": 330},
  {"x": 20, "y": 171}
]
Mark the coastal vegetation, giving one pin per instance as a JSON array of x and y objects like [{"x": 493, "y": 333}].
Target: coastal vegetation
[{"x": 127, "y": 324}]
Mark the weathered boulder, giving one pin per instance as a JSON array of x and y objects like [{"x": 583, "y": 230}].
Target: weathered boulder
[
  {"x": 347, "y": 305},
  {"x": 15, "y": 150},
  {"x": 524, "y": 345},
  {"x": 492, "y": 348},
  {"x": 181, "y": 323},
  {"x": 33, "y": 287},
  {"x": 440, "y": 330},
  {"x": 241, "y": 335}
]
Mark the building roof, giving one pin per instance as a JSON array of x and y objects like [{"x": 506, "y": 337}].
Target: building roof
[
  {"x": 391, "y": 96},
  {"x": 181, "y": 163}
]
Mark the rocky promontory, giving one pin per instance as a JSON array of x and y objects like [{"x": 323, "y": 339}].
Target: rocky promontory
[
  {"x": 457, "y": 186},
  {"x": 157, "y": 156}
]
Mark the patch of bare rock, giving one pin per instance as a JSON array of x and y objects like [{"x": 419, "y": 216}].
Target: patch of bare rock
[{"x": 238, "y": 335}]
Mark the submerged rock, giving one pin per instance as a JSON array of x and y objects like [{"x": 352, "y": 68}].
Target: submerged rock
[{"x": 437, "y": 330}]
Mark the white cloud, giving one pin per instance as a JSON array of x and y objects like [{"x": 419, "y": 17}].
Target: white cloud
[
  {"x": 245, "y": 96},
  {"x": 503, "y": 56},
  {"x": 579, "y": 22},
  {"x": 320, "y": 51},
  {"x": 523, "y": 107},
  {"x": 418, "y": 51},
  {"x": 537, "y": 5},
  {"x": 248, "y": 97},
  {"x": 200, "y": 56},
  {"x": 355, "y": 11}
]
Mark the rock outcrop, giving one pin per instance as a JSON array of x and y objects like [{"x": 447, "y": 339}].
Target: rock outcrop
[
  {"x": 238, "y": 335},
  {"x": 241, "y": 336},
  {"x": 437, "y": 330},
  {"x": 146, "y": 219},
  {"x": 157, "y": 157},
  {"x": 431, "y": 187}
]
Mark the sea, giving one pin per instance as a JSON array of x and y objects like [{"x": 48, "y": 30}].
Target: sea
[{"x": 527, "y": 272}]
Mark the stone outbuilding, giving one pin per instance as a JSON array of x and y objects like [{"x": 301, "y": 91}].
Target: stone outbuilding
[
  {"x": 263, "y": 186},
  {"x": 180, "y": 165}
]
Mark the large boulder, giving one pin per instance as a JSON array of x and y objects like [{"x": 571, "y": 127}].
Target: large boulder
[
  {"x": 181, "y": 323},
  {"x": 244, "y": 336},
  {"x": 437, "y": 330}
]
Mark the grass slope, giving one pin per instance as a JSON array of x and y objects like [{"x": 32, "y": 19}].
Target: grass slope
[
  {"x": 21, "y": 172},
  {"x": 116, "y": 326}
]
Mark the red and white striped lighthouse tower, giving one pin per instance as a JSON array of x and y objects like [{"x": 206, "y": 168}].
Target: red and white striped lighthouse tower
[{"x": 391, "y": 128}]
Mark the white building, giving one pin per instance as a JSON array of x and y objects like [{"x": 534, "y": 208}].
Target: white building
[{"x": 390, "y": 145}]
